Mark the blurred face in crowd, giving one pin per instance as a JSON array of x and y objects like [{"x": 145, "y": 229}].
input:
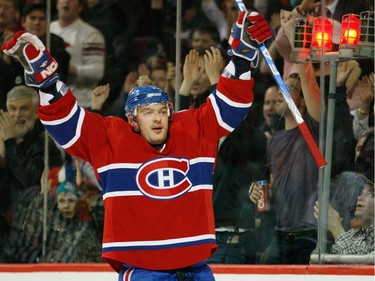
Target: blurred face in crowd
[
  {"x": 294, "y": 87},
  {"x": 152, "y": 122},
  {"x": 67, "y": 203},
  {"x": 159, "y": 78},
  {"x": 189, "y": 15},
  {"x": 365, "y": 204},
  {"x": 269, "y": 104},
  {"x": 230, "y": 10},
  {"x": 35, "y": 23},
  {"x": 7, "y": 14},
  {"x": 201, "y": 41},
  {"x": 68, "y": 10},
  {"x": 24, "y": 113},
  {"x": 203, "y": 83}
]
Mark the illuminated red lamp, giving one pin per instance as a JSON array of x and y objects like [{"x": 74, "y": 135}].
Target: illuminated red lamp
[
  {"x": 350, "y": 31},
  {"x": 322, "y": 35}
]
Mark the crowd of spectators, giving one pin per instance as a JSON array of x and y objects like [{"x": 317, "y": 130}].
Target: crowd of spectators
[{"x": 103, "y": 47}]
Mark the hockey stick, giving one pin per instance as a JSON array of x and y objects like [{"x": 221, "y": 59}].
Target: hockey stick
[{"x": 314, "y": 149}]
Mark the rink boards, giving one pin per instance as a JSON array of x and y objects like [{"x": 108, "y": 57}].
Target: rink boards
[{"x": 102, "y": 272}]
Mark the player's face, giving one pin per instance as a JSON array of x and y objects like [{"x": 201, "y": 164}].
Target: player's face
[
  {"x": 153, "y": 123},
  {"x": 23, "y": 113},
  {"x": 67, "y": 204}
]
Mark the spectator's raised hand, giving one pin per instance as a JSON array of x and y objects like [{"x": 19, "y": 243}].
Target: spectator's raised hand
[
  {"x": 191, "y": 70},
  {"x": 287, "y": 23},
  {"x": 171, "y": 75},
  {"x": 366, "y": 91},
  {"x": 98, "y": 96},
  {"x": 334, "y": 225},
  {"x": 343, "y": 71},
  {"x": 130, "y": 81},
  {"x": 213, "y": 62},
  {"x": 7, "y": 126}
]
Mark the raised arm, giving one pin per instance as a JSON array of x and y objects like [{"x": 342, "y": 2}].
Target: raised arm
[{"x": 310, "y": 88}]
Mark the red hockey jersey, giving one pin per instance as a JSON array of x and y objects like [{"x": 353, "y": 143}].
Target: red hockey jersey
[{"x": 158, "y": 204}]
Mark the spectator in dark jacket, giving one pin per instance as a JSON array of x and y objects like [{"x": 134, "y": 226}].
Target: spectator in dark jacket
[{"x": 21, "y": 149}]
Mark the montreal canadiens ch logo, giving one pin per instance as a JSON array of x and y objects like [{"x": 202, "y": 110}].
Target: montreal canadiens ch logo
[{"x": 164, "y": 178}]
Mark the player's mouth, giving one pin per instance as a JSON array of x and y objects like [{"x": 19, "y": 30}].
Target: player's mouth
[{"x": 157, "y": 130}]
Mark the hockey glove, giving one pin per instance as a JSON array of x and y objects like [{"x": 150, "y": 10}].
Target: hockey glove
[
  {"x": 40, "y": 67},
  {"x": 259, "y": 30},
  {"x": 239, "y": 40}
]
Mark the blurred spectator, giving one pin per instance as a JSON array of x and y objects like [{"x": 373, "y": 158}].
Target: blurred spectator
[
  {"x": 34, "y": 20},
  {"x": 294, "y": 175},
  {"x": 364, "y": 155},
  {"x": 203, "y": 37},
  {"x": 159, "y": 78},
  {"x": 16, "y": 247},
  {"x": 239, "y": 162},
  {"x": 74, "y": 218},
  {"x": 200, "y": 74},
  {"x": 273, "y": 17},
  {"x": 22, "y": 142},
  {"x": 9, "y": 19},
  {"x": 343, "y": 136},
  {"x": 358, "y": 240},
  {"x": 363, "y": 116},
  {"x": 86, "y": 47},
  {"x": 345, "y": 189},
  {"x": 269, "y": 113},
  {"x": 108, "y": 17},
  {"x": 111, "y": 20},
  {"x": 69, "y": 239},
  {"x": 217, "y": 17},
  {"x": 9, "y": 24}
]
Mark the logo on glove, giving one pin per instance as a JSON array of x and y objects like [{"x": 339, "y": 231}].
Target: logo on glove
[{"x": 49, "y": 70}]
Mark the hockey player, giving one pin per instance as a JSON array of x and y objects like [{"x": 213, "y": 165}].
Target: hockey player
[{"x": 155, "y": 170}]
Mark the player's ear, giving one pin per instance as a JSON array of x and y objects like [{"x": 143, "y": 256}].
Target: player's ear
[{"x": 134, "y": 124}]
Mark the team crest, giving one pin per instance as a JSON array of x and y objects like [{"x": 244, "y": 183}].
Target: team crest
[{"x": 164, "y": 178}]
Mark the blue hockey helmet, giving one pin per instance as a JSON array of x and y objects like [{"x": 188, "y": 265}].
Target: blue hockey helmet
[{"x": 146, "y": 95}]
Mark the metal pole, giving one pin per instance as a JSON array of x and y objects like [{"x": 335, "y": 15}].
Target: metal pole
[
  {"x": 46, "y": 148},
  {"x": 178, "y": 54},
  {"x": 324, "y": 192},
  {"x": 322, "y": 138},
  {"x": 344, "y": 259}
]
